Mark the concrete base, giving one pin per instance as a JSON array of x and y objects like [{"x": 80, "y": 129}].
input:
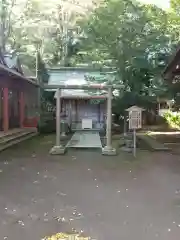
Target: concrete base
[
  {"x": 109, "y": 151},
  {"x": 57, "y": 150}
]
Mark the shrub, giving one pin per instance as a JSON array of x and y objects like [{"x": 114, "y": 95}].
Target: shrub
[{"x": 172, "y": 118}]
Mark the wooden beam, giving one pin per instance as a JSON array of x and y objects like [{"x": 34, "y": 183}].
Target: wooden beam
[
  {"x": 83, "y": 87},
  {"x": 104, "y": 97}
]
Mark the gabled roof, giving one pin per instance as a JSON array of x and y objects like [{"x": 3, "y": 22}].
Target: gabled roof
[
  {"x": 171, "y": 68},
  {"x": 134, "y": 108},
  {"x": 78, "y": 76},
  {"x": 81, "y": 94},
  {"x": 13, "y": 62},
  {"x": 16, "y": 74},
  {"x": 10, "y": 64}
]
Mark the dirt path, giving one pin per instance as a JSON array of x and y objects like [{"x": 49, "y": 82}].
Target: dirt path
[{"x": 106, "y": 197}]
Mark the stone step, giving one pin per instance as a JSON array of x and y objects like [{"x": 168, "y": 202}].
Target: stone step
[
  {"x": 11, "y": 133},
  {"x": 12, "y": 136},
  {"x": 152, "y": 143},
  {"x": 16, "y": 139}
]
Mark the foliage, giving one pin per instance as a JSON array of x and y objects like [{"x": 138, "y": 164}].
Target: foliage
[
  {"x": 137, "y": 39},
  {"x": 43, "y": 75},
  {"x": 65, "y": 236},
  {"x": 47, "y": 124},
  {"x": 131, "y": 98},
  {"x": 6, "y": 20},
  {"x": 133, "y": 37},
  {"x": 173, "y": 119},
  {"x": 52, "y": 24}
]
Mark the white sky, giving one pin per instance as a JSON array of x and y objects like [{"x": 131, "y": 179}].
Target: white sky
[{"x": 160, "y": 3}]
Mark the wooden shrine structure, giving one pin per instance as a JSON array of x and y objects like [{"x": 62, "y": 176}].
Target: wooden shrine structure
[{"x": 18, "y": 96}]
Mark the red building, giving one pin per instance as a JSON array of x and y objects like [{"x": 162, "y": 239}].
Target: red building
[{"x": 18, "y": 97}]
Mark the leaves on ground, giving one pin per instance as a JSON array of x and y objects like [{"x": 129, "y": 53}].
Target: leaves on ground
[{"x": 65, "y": 236}]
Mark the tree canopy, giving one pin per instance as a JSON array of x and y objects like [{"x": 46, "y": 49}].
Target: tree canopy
[{"x": 135, "y": 39}]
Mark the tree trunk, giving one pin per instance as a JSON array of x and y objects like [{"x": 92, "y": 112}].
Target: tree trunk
[{"x": 2, "y": 26}]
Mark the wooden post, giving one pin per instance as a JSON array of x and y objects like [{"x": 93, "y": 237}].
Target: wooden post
[
  {"x": 134, "y": 142},
  {"x": 125, "y": 126},
  {"x": 5, "y": 110},
  {"x": 76, "y": 111},
  {"x": 58, "y": 120},
  {"x": 108, "y": 149},
  {"x": 109, "y": 119},
  {"x": 21, "y": 101},
  {"x": 99, "y": 113},
  {"x": 58, "y": 149}
]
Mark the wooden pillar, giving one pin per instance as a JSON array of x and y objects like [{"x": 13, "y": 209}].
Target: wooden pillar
[
  {"x": 21, "y": 106},
  {"x": 58, "y": 117},
  {"x": 70, "y": 112},
  {"x": 58, "y": 149},
  {"x": 108, "y": 149},
  {"x": 76, "y": 110},
  {"x": 5, "y": 110},
  {"x": 62, "y": 105},
  {"x": 99, "y": 112},
  {"x": 109, "y": 118}
]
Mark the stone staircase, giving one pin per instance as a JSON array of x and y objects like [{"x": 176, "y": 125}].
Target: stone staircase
[
  {"x": 143, "y": 141},
  {"x": 15, "y": 136},
  {"x": 152, "y": 143}
]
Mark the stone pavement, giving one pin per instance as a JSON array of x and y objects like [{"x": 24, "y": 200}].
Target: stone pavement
[
  {"x": 106, "y": 197},
  {"x": 85, "y": 139}
]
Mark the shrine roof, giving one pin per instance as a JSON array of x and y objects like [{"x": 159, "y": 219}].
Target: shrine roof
[
  {"x": 79, "y": 76},
  {"x": 11, "y": 72},
  {"x": 10, "y": 65},
  {"x": 173, "y": 68}
]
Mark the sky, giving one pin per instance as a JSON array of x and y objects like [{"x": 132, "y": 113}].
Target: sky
[{"x": 160, "y": 3}]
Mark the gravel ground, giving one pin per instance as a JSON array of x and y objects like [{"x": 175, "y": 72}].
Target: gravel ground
[{"x": 105, "y": 197}]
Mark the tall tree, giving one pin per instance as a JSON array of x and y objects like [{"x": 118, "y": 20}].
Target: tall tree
[
  {"x": 6, "y": 12},
  {"x": 42, "y": 73},
  {"x": 131, "y": 36}
]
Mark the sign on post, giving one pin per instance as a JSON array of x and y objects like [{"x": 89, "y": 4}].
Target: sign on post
[
  {"x": 135, "y": 122},
  {"x": 135, "y": 119}
]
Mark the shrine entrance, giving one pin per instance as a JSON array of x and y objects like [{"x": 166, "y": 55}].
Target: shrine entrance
[{"x": 85, "y": 139}]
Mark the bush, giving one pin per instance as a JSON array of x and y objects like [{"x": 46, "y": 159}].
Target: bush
[
  {"x": 47, "y": 123},
  {"x": 160, "y": 120},
  {"x": 172, "y": 118},
  {"x": 48, "y": 126}
]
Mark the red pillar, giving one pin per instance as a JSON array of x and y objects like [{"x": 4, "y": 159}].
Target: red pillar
[
  {"x": 5, "y": 110},
  {"x": 21, "y": 103}
]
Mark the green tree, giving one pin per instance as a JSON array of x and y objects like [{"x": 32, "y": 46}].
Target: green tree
[
  {"x": 43, "y": 75},
  {"x": 131, "y": 36},
  {"x": 134, "y": 38},
  {"x": 6, "y": 22}
]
